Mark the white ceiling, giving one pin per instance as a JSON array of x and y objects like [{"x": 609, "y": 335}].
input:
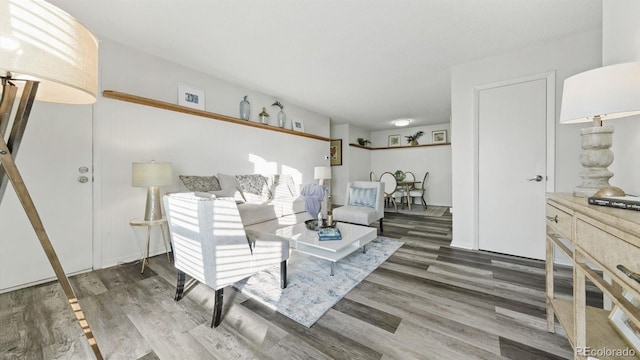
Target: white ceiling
[{"x": 365, "y": 62}]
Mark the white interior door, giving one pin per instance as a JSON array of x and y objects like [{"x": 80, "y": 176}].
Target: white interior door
[
  {"x": 57, "y": 143},
  {"x": 512, "y": 169}
]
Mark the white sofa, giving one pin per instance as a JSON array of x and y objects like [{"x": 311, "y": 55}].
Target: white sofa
[{"x": 265, "y": 203}]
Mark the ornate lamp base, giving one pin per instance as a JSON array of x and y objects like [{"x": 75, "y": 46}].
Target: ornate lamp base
[{"x": 595, "y": 158}]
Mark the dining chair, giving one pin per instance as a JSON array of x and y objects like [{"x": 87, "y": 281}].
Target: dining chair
[
  {"x": 420, "y": 191},
  {"x": 390, "y": 188},
  {"x": 373, "y": 177},
  {"x": 408, "y": 176}
]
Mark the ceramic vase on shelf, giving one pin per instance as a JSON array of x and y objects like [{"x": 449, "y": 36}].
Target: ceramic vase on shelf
[
  {"x": 264, "y": 116},
  {"x": 282, "y": 119},
  {"x": 245, "y": 109}
]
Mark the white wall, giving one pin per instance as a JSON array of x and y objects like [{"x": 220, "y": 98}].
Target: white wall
[
  {"x": 340, "y": 173},
  {"x": 567, "y": 57},
  {"x": 126, "y": 133},
  {"x": 621, "y": 43},
  {"x": 434, "y": 159},
  {"x": 418, "y": 160},
  {"x": 358, "y": 162}
]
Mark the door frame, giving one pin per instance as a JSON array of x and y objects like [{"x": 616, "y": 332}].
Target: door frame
[{"x": 550, "y": 77}]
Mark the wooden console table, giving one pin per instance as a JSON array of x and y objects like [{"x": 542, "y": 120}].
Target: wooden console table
[{"x": 597, "y": 239}]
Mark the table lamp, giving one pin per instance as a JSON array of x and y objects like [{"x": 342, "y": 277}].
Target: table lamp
[
  {"x": 604, "y": 93},
  {"x": 321, "y": 173},
  {"x": 49, "y": 56},
  {"x": 152, "y": 175}
]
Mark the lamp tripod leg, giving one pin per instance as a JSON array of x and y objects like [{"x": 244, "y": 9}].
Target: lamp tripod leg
[{"x": 9, "y": 165}]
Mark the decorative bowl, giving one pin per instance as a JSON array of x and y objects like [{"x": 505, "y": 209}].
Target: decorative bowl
[{"x": 313, "y": 225}]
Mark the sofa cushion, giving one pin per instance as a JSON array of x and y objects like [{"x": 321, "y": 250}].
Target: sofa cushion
[
  {"x": 230, "y": 188},
  {"x": 362, "y": 197},
  {"x": 362, "y": 215},
  {"x": 255, "y": 188},
  {"x": 200, "y": 183},
  {"x": 284, "y": 186}
]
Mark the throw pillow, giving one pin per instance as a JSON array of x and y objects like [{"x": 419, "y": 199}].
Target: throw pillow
[
  {"x": 254, "y": 188},
  {"x": 362, "y": 197},
  {"x": 284, "y": 186},
  {"x": 200, "y": 183},
  {"x": 230, "y": 188}
]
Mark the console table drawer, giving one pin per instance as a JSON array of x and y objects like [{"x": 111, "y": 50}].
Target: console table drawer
[
  {"x": 559, "y": 221},
  {"x": 610, "y": 250}
]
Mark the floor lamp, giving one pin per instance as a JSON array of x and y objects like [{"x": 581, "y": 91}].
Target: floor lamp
[{"x": 49, "y": 56}]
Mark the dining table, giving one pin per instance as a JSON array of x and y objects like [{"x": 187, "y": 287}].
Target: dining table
[{"x": 407, "y": 185}]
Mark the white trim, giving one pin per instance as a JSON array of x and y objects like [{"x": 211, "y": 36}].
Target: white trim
[{"x": 550, "y": 78}]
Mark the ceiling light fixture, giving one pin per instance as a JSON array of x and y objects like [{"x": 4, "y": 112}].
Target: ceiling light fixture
[{"x": 401, "y": 122}]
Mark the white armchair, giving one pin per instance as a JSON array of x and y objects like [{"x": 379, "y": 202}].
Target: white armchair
[
  {"x": 210, "y": 245},
  {"x": 364, "y": 204}
]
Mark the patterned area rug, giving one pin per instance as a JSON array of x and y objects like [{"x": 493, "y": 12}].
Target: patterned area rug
[
  {"x": 311, "y": 291},
  {"x": 419, "y": 210}
]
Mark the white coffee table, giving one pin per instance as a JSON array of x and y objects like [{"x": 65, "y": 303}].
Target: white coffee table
[{"x": 306, "y": 241}]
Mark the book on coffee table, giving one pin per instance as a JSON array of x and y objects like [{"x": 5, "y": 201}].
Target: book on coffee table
[{"x": 329, "y": 234}]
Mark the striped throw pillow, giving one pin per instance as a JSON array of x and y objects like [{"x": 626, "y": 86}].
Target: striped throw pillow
[{"x": 362, "y": 197}]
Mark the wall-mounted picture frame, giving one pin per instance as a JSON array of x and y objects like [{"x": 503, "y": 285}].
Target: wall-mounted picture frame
[
  {"x": 191, "y": 97},
  {"x": 624, "y": 325},
  {"x": 394, "y": 140},
  {"x": 297, "y": 125},
  {"x": 439, "y": 137},
  {"x": 335, "y": 152}
]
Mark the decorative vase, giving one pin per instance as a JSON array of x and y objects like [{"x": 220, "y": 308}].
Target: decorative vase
[
  {"x": 282, "y": 119},
  {"x": 264, "y": 116},
  {"x": 245, "y": 109},
  {"x": 414, "y": 142}
]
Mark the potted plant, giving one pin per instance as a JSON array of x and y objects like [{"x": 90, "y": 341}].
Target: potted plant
[
  {"x": 282, "y": 117},
  {"x": 413, "y": 139},
  {"x": 363, "y": 142}
]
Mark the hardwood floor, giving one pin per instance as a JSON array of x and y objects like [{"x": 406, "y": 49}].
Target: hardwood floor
[{"x": 427, "y": 301}]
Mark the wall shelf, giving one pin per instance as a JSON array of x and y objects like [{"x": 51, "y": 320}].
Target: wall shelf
[
  {"x": 396, "y": 147},
  {"x": 111, "y": 94}
]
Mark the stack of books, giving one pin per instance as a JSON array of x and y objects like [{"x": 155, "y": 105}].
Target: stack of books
[
  {"x": 620, "y": 202},
  {"x": 329, "y": 234}
]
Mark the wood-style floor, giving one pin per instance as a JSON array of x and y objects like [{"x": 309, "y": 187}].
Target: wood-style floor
[{"x": 427, "y": 301}]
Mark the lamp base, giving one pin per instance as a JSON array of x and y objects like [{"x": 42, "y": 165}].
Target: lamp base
[
  {"x": 610, "y": 191},
  {"x": 153, "y": 211},
  {"x": 595, "y": 158}
]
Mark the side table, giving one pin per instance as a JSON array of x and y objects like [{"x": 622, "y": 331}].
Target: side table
[{"x": 149, "y": 224}]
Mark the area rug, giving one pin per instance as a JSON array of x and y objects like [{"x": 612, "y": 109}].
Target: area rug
[{"x": 311, "y": 290}]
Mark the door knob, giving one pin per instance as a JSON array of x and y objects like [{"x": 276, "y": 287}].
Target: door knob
[
  {"x": 537, "y": 178},
  {"x": 83, "y": 179}
]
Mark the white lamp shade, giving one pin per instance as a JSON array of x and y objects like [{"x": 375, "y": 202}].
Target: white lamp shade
[
  {"x": 610, "y": 92},
  {"x": 151, "y": 174},
  {"x": 322, "y": 172},
  {"x": 40, "y": 42}
]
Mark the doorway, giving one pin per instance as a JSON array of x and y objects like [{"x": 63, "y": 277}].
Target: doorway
[
  {"x": 515, "y": 162},
  {"x": 55, "y": 160}
]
